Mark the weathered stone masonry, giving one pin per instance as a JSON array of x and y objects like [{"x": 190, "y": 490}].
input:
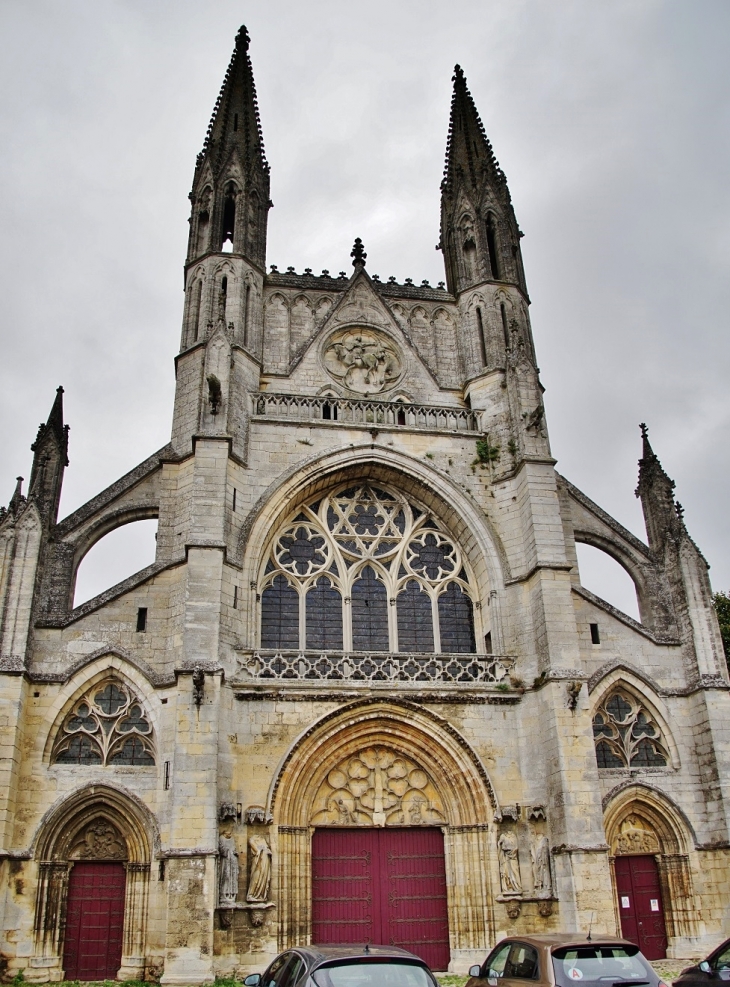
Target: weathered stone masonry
[{"x": 365, "y": 611}]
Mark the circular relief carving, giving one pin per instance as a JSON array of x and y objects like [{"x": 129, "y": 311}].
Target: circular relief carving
[{"x": 363, "y": 360}]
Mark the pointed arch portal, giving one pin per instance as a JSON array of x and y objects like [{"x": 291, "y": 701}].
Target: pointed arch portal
[{"x": 379, "y": 766}]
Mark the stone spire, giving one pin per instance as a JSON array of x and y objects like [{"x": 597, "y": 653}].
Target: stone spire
[
  {"x": 235, "y": 121},
  {"x": 656, "y": 492},
  {"x": 230, "y": 194},
  {"x": 479, "y": 233},
  {"x": 49, "y": 461},
  {"x": 469, "y": 155}
]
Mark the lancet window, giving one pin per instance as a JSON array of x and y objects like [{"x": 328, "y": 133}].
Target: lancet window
[
  {"x": 107, "y": 726},
  {"x": 364, "y": 569},
  {"x": 626, "y": 735}
]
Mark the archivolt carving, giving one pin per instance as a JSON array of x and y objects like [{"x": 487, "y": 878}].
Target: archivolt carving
[{"x": 378, "y": 787}]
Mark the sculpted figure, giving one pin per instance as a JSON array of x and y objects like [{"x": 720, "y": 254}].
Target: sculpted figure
[
  {"x": 540, "y": 853},
  {"x": 260, "y": 876},
  {"x": 228, "y": 879},
  {"x": 509, "y": 864}
]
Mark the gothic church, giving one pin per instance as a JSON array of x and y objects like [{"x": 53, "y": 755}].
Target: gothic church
[{"x": 361, "y": 694}]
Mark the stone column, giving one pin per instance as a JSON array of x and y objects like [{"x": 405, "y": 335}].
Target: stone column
[
  {"x": 471, "y": 921},
  {"x": 135, "y": 922},
  {"x": 294, "y": 893},
  {"x": 48, "y": 926}
]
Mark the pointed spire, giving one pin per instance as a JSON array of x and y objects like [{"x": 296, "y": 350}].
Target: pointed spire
[
  {"x": 54, "y": 426},
  {"x": 656, "y": 492},
  {"x": 235, "y": 120},
  {"x": 469, "y": 154},
  {"x": 17, "y": 500}
]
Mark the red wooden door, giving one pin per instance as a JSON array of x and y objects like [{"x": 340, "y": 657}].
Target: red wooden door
[
  {"x": 385, "y": 886},
  {"x": 640, "y": 905},
  {"x": 94, "y": 922}
]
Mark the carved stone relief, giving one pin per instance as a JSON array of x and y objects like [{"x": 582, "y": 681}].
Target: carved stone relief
[
  {"x": 378, "y": 787},
  {"x": 540, "y": 856},
  {"x": 361, "y": 306},
  {"x": 363, "y": 360},
  {"x": 228, "y": 870},
  {"x": 509, "y": 864},
  {"x": 99, "y": 841},
  {"x": 635, "y": 835},
  {"x": 259, "y": 877}
]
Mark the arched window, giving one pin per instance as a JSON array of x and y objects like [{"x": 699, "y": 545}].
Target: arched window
[
  {"x": 493, "y": 248},
  {"x": 626, "y": 735},
  {"x": 368, "y": 571},
  {"x": 229, "y": 219},
  {"x": 107, "y": 726}
]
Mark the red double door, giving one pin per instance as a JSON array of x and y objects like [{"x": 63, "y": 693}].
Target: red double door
[
  {"x": 640, "y": 905},
  {"x": 383, "y": 886},
  {"x": 94, "y": 922}
]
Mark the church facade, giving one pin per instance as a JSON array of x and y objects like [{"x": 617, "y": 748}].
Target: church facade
[{"x": 361, "y": 694}]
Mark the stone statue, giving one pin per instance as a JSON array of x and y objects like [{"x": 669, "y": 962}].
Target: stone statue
[
  {"x": 260, "y": 875},
  {"x": 509, "y": 864},
  {"x": 228, "y": 874},
  {"x": 540, "y": 853}
]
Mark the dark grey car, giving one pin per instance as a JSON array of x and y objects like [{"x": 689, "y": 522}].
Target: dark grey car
[{"x": 344, "y": 966}]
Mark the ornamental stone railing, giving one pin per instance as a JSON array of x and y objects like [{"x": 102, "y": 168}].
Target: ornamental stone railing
[
  {"x": 375, "y": 666},
  {"x": 370, "y": 414}
]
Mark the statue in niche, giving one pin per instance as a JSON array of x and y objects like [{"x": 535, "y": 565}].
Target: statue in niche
[
  {"x": 509, "y": 864},
  {"x": 540, "y": 853},
  {"x": 228, "y": 873},
  {"x": 260, "y": 873}
]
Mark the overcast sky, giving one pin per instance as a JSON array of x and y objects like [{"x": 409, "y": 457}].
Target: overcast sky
[{"x": 611, "y": 120}]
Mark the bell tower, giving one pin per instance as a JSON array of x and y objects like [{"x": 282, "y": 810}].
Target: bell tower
[{"x": 221, "y": 339}]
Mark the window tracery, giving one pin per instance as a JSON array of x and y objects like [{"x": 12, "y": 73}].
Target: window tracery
[
  {"x": 365, "y": 569},
  {"x": 107, "y": 726},
  {"x": 626, "y": 735}
]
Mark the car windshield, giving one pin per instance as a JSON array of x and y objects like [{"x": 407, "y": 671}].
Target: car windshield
[
  {"x": 373, "y": 973},
  {"x": 601, "y": 964}
]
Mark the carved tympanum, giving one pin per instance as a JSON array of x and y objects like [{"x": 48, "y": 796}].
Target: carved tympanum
[
  {"x": 363, "y": 360},
  {"x": 378, "y": 787},
  {"x": 99, "y": 841},
  {"x": 635, "y": 835}
]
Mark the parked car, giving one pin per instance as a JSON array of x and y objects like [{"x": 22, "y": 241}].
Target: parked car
[
  {"x": 562, "y": 960},
  {"x": 713, "y": 970},
  {"x": 344, "y": 966}
]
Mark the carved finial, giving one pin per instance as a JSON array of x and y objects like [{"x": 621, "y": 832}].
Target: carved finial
[
  {"x": 17, "y": 499},
  {"x": 680, "y": 511},
  {"x": 242, "y": 38},
  {"x": 644, "y": 430},
  {"x": 358, "y": 253}
]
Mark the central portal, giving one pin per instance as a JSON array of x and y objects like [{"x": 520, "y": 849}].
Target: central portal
[{"x": 381, "y": 886}]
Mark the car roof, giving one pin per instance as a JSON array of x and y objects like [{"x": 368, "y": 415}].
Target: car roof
[
  {"x": 559, "y": 939},
  {"x": 322, "y": 954}
]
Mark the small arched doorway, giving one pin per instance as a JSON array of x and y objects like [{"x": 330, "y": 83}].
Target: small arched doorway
[
  {"x": 385, "y": 798},
  {"x": 650, "y": 867},
  {"x": 93, "y": 855}
]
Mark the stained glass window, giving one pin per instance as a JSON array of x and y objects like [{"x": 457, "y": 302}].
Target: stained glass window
[
  {"x": 364, "y": 569},
  {"x": 626, "y": 735},
  {"x": 107, "y": 726}
]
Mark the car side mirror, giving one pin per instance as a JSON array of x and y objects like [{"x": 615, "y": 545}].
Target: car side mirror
[
  {"x": 253, "y": 980},
  {"x": 705, "y": 967},
  {"x": 475, "y": 971}
]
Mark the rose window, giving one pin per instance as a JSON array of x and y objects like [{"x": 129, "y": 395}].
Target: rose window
[
  {"x": 107, "y": 726},
  {"x": 364, "y": 569}
]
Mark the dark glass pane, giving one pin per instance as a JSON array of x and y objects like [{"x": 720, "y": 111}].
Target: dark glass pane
[
  {"x": 430, "y": 558},
  {"x": 280, "y": 616},
  {"x": 136, "y": 720},
  {"x": 606, "y": 758},
  {"x": 643, "y": 726},
  {"x": 369, "y": 613},
  {"x": 110, "y": 699},
  {"x": 132, "y": 752},
  {"x": 618, "y": 708},
  {"x": 366, "y": 519},
  {"x": 456, "y": 618},
  {"x": 647, "y": 756},
  {"x": 415, "y": 619},
  {"x": 81, "y": 720},
  {"x": 324, "y": 617},
  {"x": 81, "y": 750},
  {"x": 600, "y": 727},
  {"x": 300, "y": 549}
]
